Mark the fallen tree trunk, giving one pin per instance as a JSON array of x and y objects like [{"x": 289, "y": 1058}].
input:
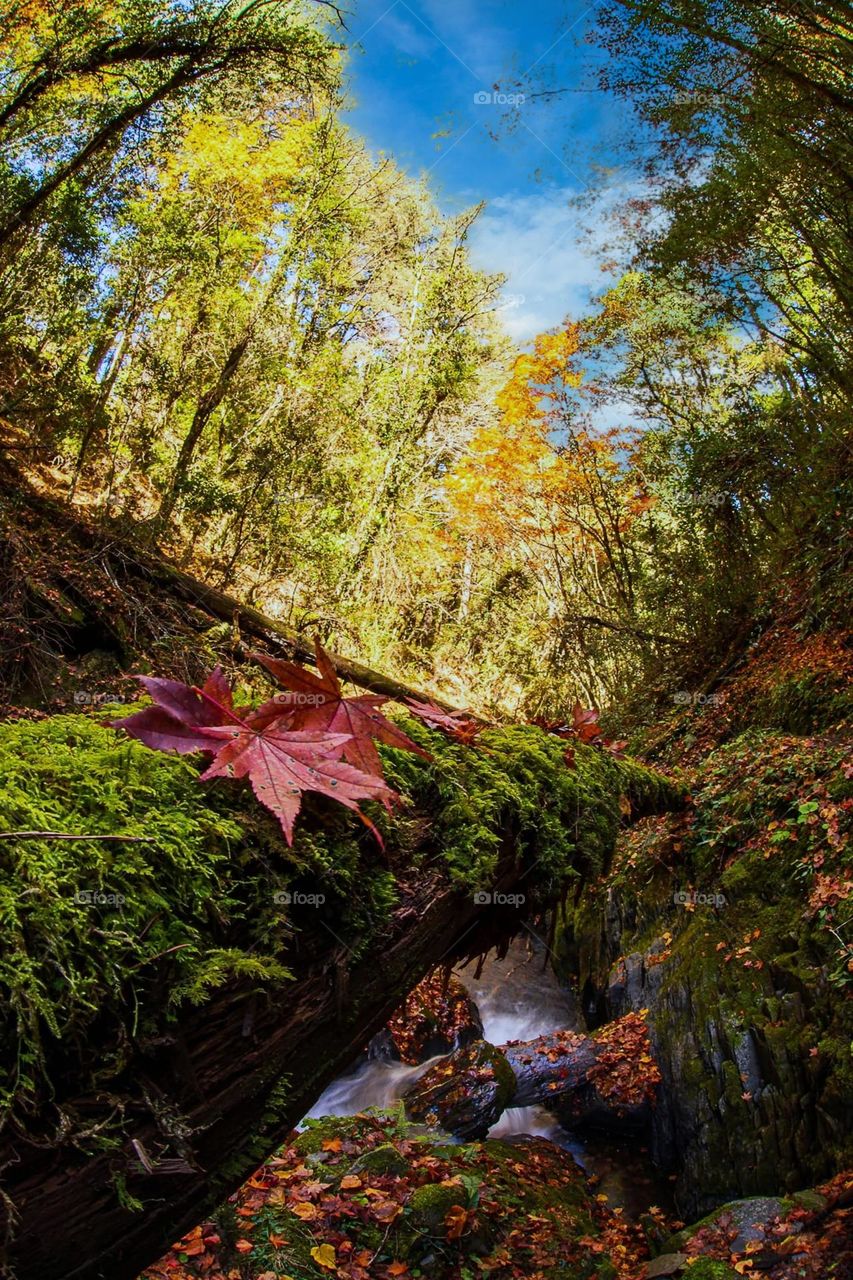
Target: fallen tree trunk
[
  {"x": 104, "y": 1169},
  {"x": 608, "y": 1077},
  {"x": 226, "y": 1087},
  {"x": 106, "y": 593}
]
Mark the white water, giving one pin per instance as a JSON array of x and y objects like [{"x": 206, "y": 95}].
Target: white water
[{"x": 519, "y": 998}]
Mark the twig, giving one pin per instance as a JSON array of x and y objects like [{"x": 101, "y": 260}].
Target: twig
[{"x": 67, "y": 835}]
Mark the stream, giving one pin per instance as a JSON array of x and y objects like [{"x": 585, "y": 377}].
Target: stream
[{"x": 519, "y": 998}]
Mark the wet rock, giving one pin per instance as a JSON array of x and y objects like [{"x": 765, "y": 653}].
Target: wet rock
[
  {"x": 437, "y": 1017},
  {"x": 668, "y": 1264},
  {"x": 747, "y": 1219},
  {"x": 465, "y": 1093},
  {"x": 749, "y": 1034}
]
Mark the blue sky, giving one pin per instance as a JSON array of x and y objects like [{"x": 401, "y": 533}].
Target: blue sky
[{"x": 424, "y": 76}]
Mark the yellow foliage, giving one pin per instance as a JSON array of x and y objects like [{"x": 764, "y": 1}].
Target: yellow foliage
[
  {"x": 510, "y": 466},
  {"x": 242, "y": 169}
]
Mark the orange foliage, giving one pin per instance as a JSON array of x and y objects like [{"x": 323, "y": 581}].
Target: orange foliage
[
  {"x": 510, "y": 464},
  {"x": 520, "y": 479}
]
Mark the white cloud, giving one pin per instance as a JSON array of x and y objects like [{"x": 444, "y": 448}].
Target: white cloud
[{"x": 550, "y": 251}]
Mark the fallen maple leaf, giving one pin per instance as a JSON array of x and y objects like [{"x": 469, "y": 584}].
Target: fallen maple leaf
[
  {"x": 304, "y": 1210},
  {"x": 585, "y": 722},
  {"x": 181, "y": 715},
  {"x": 455, "y": 1220},
  {"x": 386, "y": 1210},
  {"x": 456, "y": 724},
  {"x": 281, "y": 764},
  {"x": 316, "y": 703}
]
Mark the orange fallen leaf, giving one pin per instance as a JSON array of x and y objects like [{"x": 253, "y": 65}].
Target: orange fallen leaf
[
  {"x": 386, "y": 1210},
  {"x": 455, "y": 1220},
  {"x": 304, "y": 1210}
]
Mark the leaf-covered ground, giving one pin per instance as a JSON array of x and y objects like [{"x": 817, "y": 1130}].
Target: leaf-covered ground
[{"x": 370, "y": 1197}]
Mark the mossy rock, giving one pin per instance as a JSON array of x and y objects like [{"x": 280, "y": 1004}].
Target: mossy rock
[
  {"x": 525, "y": 1203},
  {"x": 465, "y": 1093},
  {"x": 747, "y": 1003},
  {"x": 384, "y": 1159},
  {"x": 748, "y": 1217},
  {"x": 811, "y": 1201},
  {"x": 429, "y": 1206}
]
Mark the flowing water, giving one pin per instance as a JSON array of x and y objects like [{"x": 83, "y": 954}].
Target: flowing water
[{"x": 519, "y": 998}]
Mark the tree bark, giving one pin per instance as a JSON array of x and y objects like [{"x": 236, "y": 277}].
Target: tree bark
[{"x": 215, "y": 1087}]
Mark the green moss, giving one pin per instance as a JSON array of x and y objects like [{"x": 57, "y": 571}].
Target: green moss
[
  {"x": 382, "y": 1159},
  {"x": 804, "y": 704},
  {"x": 529, "y": 1199},
  {"x": 750, "y": 984},
  {"x": 122, "y": 931},
  {"x": 567, "y": 819},
  {"x": 430, "y": 1204},
  {"x": 710, "y": 1269}
]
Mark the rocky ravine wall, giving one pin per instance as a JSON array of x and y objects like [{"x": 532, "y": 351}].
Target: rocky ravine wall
[{"x": 720, "y": 924}]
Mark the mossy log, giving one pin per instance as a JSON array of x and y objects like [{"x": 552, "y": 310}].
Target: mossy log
[
  {"x": 160, "y": 1045},
  {"x": 106, "y": 593},
  {"x": 469, "y": 1090},
  {"x": 157, "y": 1045}
]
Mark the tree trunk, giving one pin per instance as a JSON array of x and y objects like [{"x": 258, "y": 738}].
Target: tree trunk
[{"x": 226, "y": 1087}]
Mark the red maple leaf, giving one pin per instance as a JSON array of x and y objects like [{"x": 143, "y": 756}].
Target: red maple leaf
[
  {"x": 585, "y": 723},
  {"x": 280, "y": 762},
  {"x": 315, "y": 703},
  {"x": 457, "y": 724},
  {"x": 181, "y": 715}
]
